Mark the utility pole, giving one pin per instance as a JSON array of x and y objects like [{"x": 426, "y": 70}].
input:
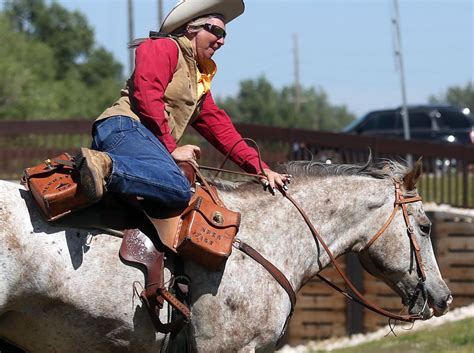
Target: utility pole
[
  {"x": 399, "y": 58},
  {"x": 131, "y": 36},
  {"x": 297, "y": 73},
  {"x": 160, "y": 13}
]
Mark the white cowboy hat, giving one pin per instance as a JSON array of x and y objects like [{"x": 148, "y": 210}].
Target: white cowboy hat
[{"x": 186, "y": 10}]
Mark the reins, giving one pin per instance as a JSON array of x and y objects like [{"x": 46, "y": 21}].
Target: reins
[
  {"x": 400, "y": 202},
  {"x": 359, "y": 296}
]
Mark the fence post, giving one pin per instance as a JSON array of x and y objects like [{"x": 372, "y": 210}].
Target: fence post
[
  {"x": 465, "y": 186},
  {"x": 355, "y": 311}
]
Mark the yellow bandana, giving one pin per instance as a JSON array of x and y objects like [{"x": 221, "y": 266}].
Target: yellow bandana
[{"x": 205, "y": 73}]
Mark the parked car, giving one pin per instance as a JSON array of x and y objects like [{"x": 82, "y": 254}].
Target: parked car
[{"x": 441, "y": 123}]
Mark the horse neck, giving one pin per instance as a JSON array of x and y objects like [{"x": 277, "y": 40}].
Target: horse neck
[{"x": 337, "y": 207}]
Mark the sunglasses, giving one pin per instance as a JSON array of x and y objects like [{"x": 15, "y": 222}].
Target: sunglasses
[{"x": 216, "y": 30}]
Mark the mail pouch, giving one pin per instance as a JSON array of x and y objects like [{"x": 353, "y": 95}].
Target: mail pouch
[
  {"x": 207, "y": 232},
  {"x": 54, "y": 184}
]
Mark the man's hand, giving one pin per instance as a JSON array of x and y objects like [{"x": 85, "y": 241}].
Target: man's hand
[
  {"x": 275, "y": 180},
  {"x": 187, "y": 153}
]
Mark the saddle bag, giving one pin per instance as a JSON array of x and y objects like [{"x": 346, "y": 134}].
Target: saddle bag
[
  {"x": 54, "y": 185},
  {"x": 207, "y": 231}
]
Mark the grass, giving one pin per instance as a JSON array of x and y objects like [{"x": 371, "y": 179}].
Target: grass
[{"x": 454, "y": 337}]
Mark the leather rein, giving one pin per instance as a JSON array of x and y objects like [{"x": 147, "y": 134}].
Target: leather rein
[{"x": 400, "y": 202}]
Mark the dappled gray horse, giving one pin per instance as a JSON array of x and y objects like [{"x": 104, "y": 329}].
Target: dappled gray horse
[{"x": 66, "y": 290}]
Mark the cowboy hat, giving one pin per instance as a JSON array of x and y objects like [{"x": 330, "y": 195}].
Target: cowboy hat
[{"x": 187, "y": 10}]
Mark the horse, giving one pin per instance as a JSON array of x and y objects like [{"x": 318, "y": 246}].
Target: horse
[{"x": 64, "y": 289}]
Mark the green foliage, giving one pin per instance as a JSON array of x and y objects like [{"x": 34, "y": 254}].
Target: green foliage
[
  {"x": 258, "y": 102},
  {"x": 457, "y": 95},
  {"x": 50, "y": 67},
  {"x": 67, "y": 33}
]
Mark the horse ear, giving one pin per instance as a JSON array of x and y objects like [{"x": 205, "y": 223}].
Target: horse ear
[{"x": 410, "y": 179}]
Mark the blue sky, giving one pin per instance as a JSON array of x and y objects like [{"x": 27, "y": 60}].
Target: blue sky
[{"x": 345, "y": 46}]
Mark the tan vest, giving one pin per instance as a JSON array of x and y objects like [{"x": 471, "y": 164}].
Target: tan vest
[{"x": 181, "y": 102}]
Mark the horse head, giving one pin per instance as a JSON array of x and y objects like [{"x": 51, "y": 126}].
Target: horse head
[{"x": 401, "y": 253}]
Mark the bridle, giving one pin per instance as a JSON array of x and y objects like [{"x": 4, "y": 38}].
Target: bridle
[{"x": 400, "y": 202}]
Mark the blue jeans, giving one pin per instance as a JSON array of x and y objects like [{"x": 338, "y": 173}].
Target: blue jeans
[{"x": 141, "y": 165}]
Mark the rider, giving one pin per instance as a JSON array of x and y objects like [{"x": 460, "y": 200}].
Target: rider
[{"x": 136, "y": 141}]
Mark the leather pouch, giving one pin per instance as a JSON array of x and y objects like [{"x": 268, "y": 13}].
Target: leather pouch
[
  {"x": 54, "y": 185},
  {"x": 207, "y": 232}
]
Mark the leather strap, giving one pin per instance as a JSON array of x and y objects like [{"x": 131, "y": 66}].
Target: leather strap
[
  {"x": 208, "y": 188},
  {"x": 154, "y": 302},
  {"x": 401, "y": 201},
  {"x": 414, "y": 242},
  {"x": 272, "y": 269},
  {"x": 49, "y": 168},
  {"x": 135, "y": 250},
  {"x": 384, "y": 227},
  {"x": 175, "y": 303},
  {"x": 276, "y": 274}
]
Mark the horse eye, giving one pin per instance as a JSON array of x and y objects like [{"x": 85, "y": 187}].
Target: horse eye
[{"x": 425, "y": 228}]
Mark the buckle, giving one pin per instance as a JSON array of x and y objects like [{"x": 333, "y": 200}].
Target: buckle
[{"x": 236, "y": 243}]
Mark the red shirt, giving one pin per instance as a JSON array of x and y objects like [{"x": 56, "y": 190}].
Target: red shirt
[{"x": 155, "y": 63}]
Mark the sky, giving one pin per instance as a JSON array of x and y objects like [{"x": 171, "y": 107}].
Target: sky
[{"x": 345, "y": 47}]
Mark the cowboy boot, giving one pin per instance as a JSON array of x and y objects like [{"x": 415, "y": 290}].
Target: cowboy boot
[{"x": 95, "y": 167}]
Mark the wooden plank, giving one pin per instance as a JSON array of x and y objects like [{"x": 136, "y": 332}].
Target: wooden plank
[
  {"x": 316, "y": 324},
  {"x": 456, "y": 258},
  {"x": 300, "y": 335},
  {"x": 303, "y": 332},
  {"x": 373, "y": 321},
  {"x": 321, "y": 302},
  {"x": 318, "y": 288},
  {"x": 461, "y": 287},
  {"x": 454, "y": 228},
  {"x": 456, "y": 243},
  {"x": 384, "y": 302},
  {"x": 449, "y": 272},
  {"x": 376, "y": 287},
  {"x": 320, "y": 317}
]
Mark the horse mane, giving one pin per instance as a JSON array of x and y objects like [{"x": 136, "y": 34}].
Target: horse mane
[{"x": 386, "y": 169}]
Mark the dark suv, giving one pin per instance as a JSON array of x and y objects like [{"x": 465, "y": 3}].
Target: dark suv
[{"x": 427, "y": 122}]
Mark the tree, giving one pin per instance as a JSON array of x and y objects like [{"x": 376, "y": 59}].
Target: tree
[
  {"x": 67, "y": 33},
  {"x": 258, "y": 102},
  {"x": 456, "y": 95},
  {"x": 27, "y": 69},
  {"x": 51, "y": 68}
]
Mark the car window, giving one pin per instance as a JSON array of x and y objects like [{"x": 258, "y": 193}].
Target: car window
[
  {"x": 381, "y": 121},
  {"x": 387, "y": 121},
  {"x": 419, "y": 120},
  {"x": 453, "y": 120}
]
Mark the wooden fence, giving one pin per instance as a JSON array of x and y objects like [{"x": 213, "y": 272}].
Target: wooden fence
[{"x": 449, "y": 169}]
